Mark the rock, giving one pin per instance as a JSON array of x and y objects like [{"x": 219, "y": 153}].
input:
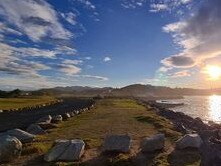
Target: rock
[
  {"x": 184, "y": 157},
  {"x": 189, "y": 141},
  {"x": 153, "y": 143},
  {"x": 21, "y": 135},
  {"x": 66, "y": 116},
  {"x": 57, "y": 119},
  {"x": 46, "y": 119},
  {"x": 117, "y": 143},
  {"x": 46, "y": 126},
  {"x": 72, "y": 114},
  {"x": 66, "y": 150},
  {"x": 211, "y": 154},
  {"x": 180, "y": 127},
  {"x": 10, "y": 148},
  {"x": 35, "y": 129}
]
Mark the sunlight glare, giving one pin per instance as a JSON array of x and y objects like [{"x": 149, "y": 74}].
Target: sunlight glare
[
  {"x": 214, "y": 72},
  {"x": 215, "y": 107}
]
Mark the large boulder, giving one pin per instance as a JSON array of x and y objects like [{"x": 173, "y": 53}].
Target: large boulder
[
  {"x": 189, "y": 141},
  {"x": 35, "y": 129},
  {"x": 65, "y": 150},
  {"x": 153, "y": 143},
  {"x": 45, "y": 119},
  {"x": 57, "y": 119},
  {"x": 10, "y": 148},
  {"x": 117, "y": 143},
  {"x": 21, "y": 135}
]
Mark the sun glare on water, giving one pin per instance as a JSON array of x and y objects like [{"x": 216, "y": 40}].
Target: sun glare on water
[{"x": 214, "y": 72}]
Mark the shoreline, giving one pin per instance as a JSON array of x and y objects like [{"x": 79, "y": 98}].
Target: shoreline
[{"x": 210, "y": 133}]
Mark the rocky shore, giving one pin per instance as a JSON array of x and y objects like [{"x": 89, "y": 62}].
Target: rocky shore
[{"x": 210, "y": 133}]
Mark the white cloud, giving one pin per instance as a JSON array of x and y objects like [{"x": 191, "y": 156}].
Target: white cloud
[
  {"x": 35, "y": 52},
  {"x": 158, "y": 7},
  {"x": 72, "y": 62},
  {"x": 68, "y": 69},
  {"x": 87, "y": 4},
  {"x": 88, "y": 58},
  {"x": 36, "y": 19},
  {"x": 107, "y": 59},
  {"x": 169, "y": 5},
  {"x": 132, "y": 3},
  {"x": 184, "y": 73},
  {"x": 66, "y": 50},
  {"x": 70, "y": 17},
  {"x": 100, "y": 78},
  {"x": 7, "y": 30},
  {"x": 199, "y": 36}
]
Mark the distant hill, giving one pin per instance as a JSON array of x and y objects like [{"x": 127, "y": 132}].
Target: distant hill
[
  {"x": 135, "y": 90},
  {"x": 74, "y": 91},
  {"x": 138, "y": 90},
  {"x": 7, "y": 94}
]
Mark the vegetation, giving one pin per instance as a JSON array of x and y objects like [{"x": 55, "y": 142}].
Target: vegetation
[
  {"x": 14, "y": 93},
  {"x": 14, "y": 103},
  {"x": 109, "y": 116}
]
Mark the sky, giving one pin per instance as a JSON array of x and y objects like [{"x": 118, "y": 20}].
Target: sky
[{"x": 49, "y": 43}]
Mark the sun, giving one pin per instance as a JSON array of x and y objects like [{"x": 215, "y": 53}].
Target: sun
[{"x": 213, "y": 71}]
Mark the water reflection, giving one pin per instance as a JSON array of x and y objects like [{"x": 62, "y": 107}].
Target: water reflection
[{"x": 214, "y": 102}]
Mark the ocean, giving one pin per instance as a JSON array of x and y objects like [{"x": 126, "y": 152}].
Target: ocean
[{"x": 208, "y": 108}]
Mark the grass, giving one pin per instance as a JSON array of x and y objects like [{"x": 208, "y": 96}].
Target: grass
[
  {"x": 14, "y": 103},
  {"x": 109, "y": 116}
]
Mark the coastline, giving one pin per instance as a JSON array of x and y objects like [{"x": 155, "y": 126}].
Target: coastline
[{"x": 210, "y": 133}]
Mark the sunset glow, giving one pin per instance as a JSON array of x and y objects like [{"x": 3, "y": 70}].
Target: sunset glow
[{"x": 214, "y": 72}]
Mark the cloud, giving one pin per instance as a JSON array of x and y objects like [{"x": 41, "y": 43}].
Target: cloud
[
  {"x": 184, "y": 73},
  {"x": 87, "y": 4},
  {"x": 169, "y": 5},
  {"x": 198, "y": 36},
  {"x": 100, "y": 78},
  {"x": 88, "y": 58},
  {"x": 14, "y": 65},
  {"x": 68, "y": 69},
  {"x": 132, "y": 3},
  {"x": 65, "y": 50},
  {"x": 158, "y": 7},
  {"x": 107, "y": 59},
  {"x": 72, "y": 62},
  {"x": 35, "y": 52},
  {"x": 7, "y": 30},
  {"x": 70, "y": 17},
  {"x": 35, "y": 18},
  {"x": 178, "y": 61}
]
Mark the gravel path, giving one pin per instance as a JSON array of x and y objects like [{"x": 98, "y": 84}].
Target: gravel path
[{"x": 21, "y": 119}]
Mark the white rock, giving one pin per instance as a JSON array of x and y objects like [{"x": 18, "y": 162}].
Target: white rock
[
  {"x": 10, "y": 148},
  {"x": 21, "y": 135},
  {"x": 153, "y": 143},
  {"x": 45, "y": 119},
  {"x": 57, "y": 119},
  {"x": 65, "y": 150},
  {"x": 189, "y": 141},
  {"x": 66, "y": 116},
  {"x": 117, "y": 143}
]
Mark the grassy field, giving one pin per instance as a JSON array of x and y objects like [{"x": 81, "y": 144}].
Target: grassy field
[
  {"x": 13, "y": 103},
  {"x": 109, "y": 116}
]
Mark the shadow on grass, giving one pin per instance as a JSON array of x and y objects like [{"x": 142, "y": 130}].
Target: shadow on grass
[{"x": 161, "y": 124}]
